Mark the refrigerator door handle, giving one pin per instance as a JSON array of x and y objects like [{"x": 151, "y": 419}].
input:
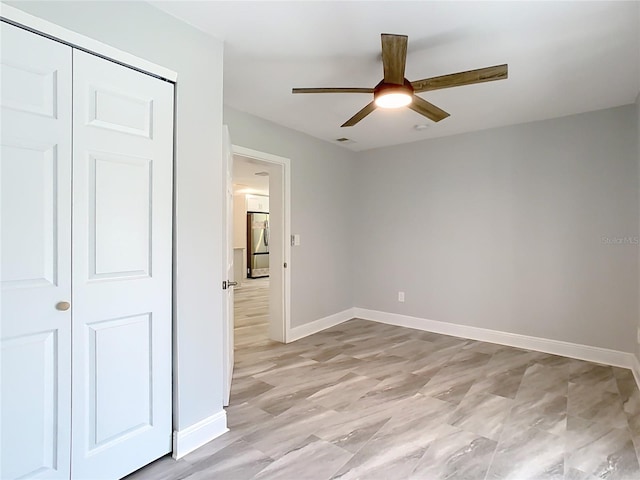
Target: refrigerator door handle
[{"x": 266, "y": 233}]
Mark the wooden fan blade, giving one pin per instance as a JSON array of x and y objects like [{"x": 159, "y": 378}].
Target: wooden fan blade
[
  {"x": 427, "y": 109},
  {"x": 488, "y": 74},
  {"x": 360, "y": 115},
  {"x": 394, "y": 57},
  {"x": 332, "y": 90}
]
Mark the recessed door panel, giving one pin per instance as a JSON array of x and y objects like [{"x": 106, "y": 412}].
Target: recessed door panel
[
  {"x": 119, "y": 111},
  {"x": 30, "y": 89},
  {"x": 35, "y": 252},
  {"x": 120, "y": 192},
  {"x": 122, "y": 232},
  {"x": 29, "y": 407},
  {"x": 114, "y": 412},
  {"x": 28, "y": 175}
]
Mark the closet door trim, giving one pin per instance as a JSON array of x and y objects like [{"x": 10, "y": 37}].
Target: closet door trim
[{"x": 55, "y": 32}]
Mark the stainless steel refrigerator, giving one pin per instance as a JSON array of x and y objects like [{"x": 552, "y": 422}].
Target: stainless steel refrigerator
[{"x": 258, "y": 244}]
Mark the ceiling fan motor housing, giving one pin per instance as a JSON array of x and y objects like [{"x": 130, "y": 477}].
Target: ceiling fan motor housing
[
  {"x": 384, "y": 88},
  {"x": 383, "y": 92}
]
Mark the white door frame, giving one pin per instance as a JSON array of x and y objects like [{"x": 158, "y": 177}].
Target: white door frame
[{"x": 285, "y": 163}]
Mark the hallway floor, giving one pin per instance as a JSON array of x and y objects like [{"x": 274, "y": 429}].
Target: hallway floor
[
  {"x": 251, "y": 314},
  {"x": 364, "y": 400}
]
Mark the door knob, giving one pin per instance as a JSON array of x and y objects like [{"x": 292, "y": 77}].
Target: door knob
[
  {"x": 63, "y": 306},
  {"x": 232, "y": 284}
]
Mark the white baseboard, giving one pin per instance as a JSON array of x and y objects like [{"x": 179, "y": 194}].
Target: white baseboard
[
  {"x": 604, "y": 356},
  {"x": 566, "y": 349},
  {"x": 187, "y": 440},
  {"x": 296, "y": 333}
]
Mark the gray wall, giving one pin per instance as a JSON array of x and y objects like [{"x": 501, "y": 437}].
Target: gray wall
[
  {"x": 507, "y": 229},
  {"x": 321, "y": 202},
  {"x": 145, "y": 31}
]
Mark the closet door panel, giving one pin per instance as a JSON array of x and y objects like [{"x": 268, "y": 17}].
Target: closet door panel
[
  {"x": 122, "y": 230},
  {"x": 35, "y": 263}
]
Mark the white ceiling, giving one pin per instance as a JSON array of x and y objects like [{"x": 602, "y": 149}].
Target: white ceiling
[
  {"x": 564, "y": 58},
  {"x": 245, "y": 179}
]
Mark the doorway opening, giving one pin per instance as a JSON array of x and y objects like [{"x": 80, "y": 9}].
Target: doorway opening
[
  {"x": 251, "y": 251},
  {"x": 272, "y": 263},
  {"x": 261, "y": 246}
]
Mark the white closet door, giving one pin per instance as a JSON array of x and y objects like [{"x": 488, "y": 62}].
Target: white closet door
[
  {"x": 122, "y": 237},
  {"x": 35, "y": 263}
]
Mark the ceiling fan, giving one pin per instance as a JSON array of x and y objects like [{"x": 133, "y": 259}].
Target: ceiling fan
[{"x": 395, "y": 91}]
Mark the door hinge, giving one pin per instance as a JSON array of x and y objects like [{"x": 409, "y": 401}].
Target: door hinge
[{"x": 285, "y": 264}]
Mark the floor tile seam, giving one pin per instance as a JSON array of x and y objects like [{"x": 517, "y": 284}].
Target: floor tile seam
[
  {"x": 366, "y": 442},
  {"x": 238, "y": 440},
  {"x": 636, "y": 445},
  {"x": 298, "y": 447},
  {"x": 635, "y": 442},
  {"x": 273, "y": 460},
  {"x": 476, "y": 435},
  {"x": 493, "y": 458},
  {"x": 335, "y": 472},
  {"x": 502, "y": 430},
  {"x": 590, "y": 440}
]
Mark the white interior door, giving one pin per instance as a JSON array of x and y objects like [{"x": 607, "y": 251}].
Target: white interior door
[
  {"x": 35, "y": 272},
  {"x": 228, "y": 320},
  {"x": 122, "y": 234}
]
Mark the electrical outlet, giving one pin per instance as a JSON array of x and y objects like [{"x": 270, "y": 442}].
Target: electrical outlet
[{"x": 401, "y": 296}]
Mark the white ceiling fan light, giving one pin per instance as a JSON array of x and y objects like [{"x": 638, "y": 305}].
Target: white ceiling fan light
[
  {"x": 393, "y": 100},
  {"x": 393, "y": 96}
]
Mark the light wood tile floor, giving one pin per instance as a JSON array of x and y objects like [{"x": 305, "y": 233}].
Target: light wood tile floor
[{"x": 364, "y": 400}]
